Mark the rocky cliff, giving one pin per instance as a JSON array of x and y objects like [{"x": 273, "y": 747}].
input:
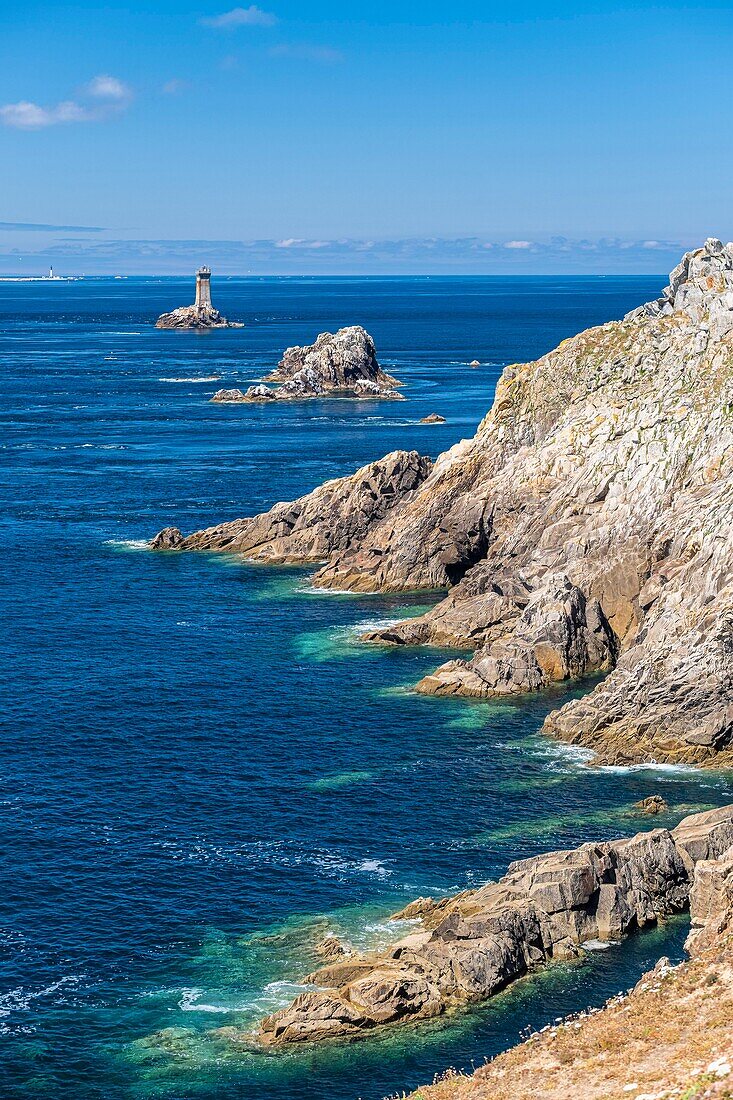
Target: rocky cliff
[
  {"x": 586, "y": 527},
  {"x": 343, "y": 363},
  {"x": 669, "y": 1038},
  {"x": 470, "y": 946}
]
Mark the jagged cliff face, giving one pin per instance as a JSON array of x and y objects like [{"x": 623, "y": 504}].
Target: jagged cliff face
[{"x": 585, "y": 527}]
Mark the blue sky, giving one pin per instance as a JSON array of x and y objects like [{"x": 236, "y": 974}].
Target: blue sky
[{"x": 430, "y": 136}]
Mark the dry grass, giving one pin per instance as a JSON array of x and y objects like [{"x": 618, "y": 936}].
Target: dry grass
[{"x": 671, "y": 1038}]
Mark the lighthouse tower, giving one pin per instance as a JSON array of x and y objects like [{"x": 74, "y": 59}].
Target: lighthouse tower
[{"x": 203, "y": 288}]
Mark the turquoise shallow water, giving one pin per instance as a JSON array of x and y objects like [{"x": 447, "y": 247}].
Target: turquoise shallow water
[{"x": 202, "y": 771}]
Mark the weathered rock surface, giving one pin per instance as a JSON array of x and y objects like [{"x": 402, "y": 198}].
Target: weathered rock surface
[
  {"x": 473, "y": 945},
  {"x": 651, "y": 806},
  {"x": 342, "y": 363},
  {"x": 668, "y": 1038},
  {"x": 587, "y": 526},
  {"x": 330, "y": 518},
  {"x": 711, "y": 903},
  {"x": 195, "y": 317},
  {"x": 226, "y": 397},
  {"x": 433, "y": 418}
]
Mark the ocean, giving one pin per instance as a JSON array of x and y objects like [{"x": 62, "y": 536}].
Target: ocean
[{"x": 203, "y": 772}]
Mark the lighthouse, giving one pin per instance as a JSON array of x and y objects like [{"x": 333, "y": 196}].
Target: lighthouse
[{"x": 203, "y": 288}]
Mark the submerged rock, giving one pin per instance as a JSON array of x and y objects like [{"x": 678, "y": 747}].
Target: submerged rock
[{"x": 544, "y": 908}]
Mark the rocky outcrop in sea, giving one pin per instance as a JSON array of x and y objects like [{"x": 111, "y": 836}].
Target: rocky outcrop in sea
[
  {"x": 470, "y": 946},
  {"x": 587, "y": 527},
  {"x": 195, "y": 317},
  {"x": 342, "y": 363}
]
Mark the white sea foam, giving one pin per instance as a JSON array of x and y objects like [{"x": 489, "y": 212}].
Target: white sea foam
[
  {"x": 20, "y": 999},
  {"x": 598, "y": 945},
  {"x": 372, "y": 624},
  {"x": 128, "y": 544},
  {"x": 374, "y": 866},
  {"x": 312, "y": 590},
  {"x": 207, "y": 378},
  {"x": 190, "y": 1002},
  {"x": 673, "y": 769},
  {"x": 274, "y": 995},
  {"x": 563, "y": 756}
]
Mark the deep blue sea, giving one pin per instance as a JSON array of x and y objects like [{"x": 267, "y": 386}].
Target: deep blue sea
[{"x": 202, "y": 771}]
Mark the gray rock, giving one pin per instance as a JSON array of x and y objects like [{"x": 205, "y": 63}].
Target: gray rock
[
  {"x": 342, "y": 363},
  {"x": 170, "y": 538},
  {"x": 329, "y": 518},
  {"x": 195, "y": 317},
  {"x": 226, "y": 397}
]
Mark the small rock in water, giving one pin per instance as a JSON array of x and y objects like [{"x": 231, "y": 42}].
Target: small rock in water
[
  {"x": 228, "y": 396},
  {"x": 433, "y": 418},
  {"x": 332, "y": 948},
  {"x": 654, "y": 804},
  {"x": 170, "y": 538},
  {"x": 474, "y": 363}
]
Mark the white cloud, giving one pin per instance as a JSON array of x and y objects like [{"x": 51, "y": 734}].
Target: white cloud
[
  {"x": 104, "y": 95},
  {"x": 302, "y": 242},
  {"x": 31, "y": 116},
  {"x": 108, "y": 87},
  {"x": 518, "y": 244},
  {"x": 326, "y": 55},
  {"x": 241, "y": 17}
]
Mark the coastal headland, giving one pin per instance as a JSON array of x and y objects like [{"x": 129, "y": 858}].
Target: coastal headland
[{"x": 585, "y": 528}]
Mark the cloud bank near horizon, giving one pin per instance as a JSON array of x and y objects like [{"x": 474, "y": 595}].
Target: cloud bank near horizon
[{"x": 458, "y": 255}]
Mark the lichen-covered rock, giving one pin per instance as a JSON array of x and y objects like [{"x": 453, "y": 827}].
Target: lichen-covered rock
[
  {"x": 195, "y": 317},
  {"x": 544, "y": 908}
]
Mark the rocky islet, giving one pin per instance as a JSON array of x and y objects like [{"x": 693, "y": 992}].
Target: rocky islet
[{"x": 340, "y": 364}]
